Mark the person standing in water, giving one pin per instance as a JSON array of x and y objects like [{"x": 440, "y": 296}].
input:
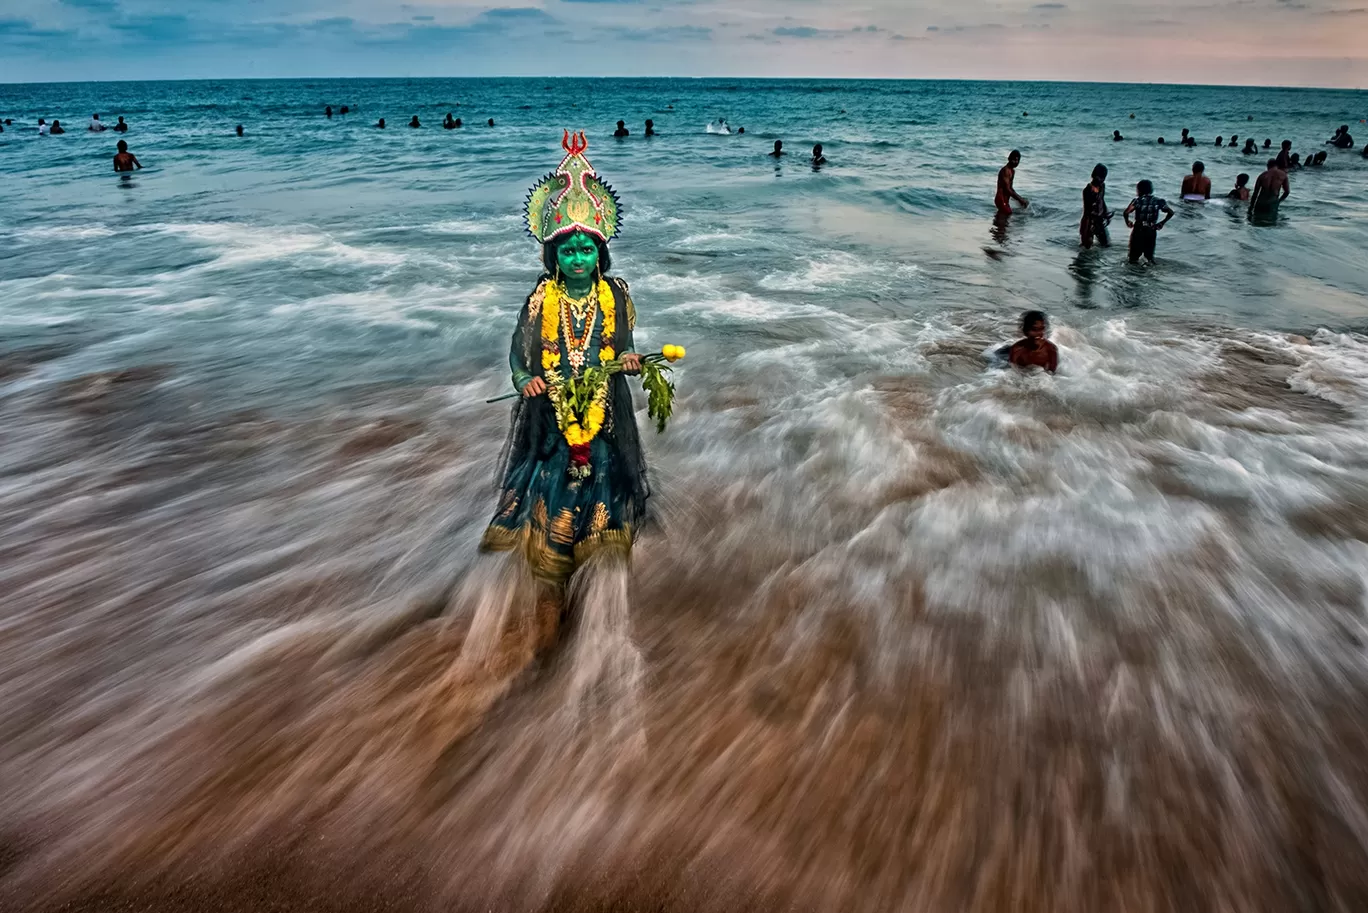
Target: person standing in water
[
  {"x": 57, "y": 127},
  {"x": 1034, "y": 351},
  {"x": 778, "y": 150},
  {"x": 1270, "y": 189},
  {"x": 120, "y": 127},
  {"x": 95, "y": 126},
  {"x": 621, "y": 132},
  {"x": 1095, "y": 212},
  {"x": 414, "y": 123},
  {"x": 818, "y": 159},
  {"x": 1341, "y": 139},
  {"x": 1006, "y": 186},
  {"x": 1197, "y": 186},
  {"x": 380, "y": 124},
  {"x": 650, "y": 127},
  {"x": 327, "y": 112},
  {"x": 124, "y": 160},
  {"x": 573, "y": 486},
  {"x": 1144, "y": 230},
  {"x": 1241, "y": 190},
  {"x": 1284, "y": 156},
  {"x": 1116, "y": 136}
]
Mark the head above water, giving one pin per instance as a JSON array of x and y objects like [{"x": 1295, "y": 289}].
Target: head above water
[
  {"x": 1144, "y": 188},
  {"x": 576, "y": 257},
  {"x": 1161, "y": 141},
  {"x": 123, "y": 145},
  {"x": 239, "y": 129},
  {"x": 1034, "y": 324},
  {"x": 1185, "y": 132},
  {"x": 1198, "y": 167},
  {"x": 778, "y": 145},
  {"x": 1099, "y": 172},
  {"x": 621, "y": 124},
  {"x": 1220, "y": 140},
  {"x": 817, "y": 150},
  {"x": 1272, "y": 163},
  {"x": 1241, "y": 179},
  {"x": 1014, "y": 157},
  {"x": 1286, "y": 145}
]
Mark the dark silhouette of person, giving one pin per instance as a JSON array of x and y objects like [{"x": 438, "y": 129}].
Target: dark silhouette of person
[
  {"x": 1161, "y": 141},
  {"x": 1285, "y": 155},
  {"x": 490, "y": 122},
  {"x": 778, "y": 149},
  {"x": 239, "y": 129},
  {"x": 125, "y": 160},
  {"x": 414, "y": 123},
  {"x": 740, "y": 131},
  {"x": 1116, "y": 136},
  {"x": 1241, "y": 189},
  {"x": 1250, "y": 148},
  {"x": 1183, "y": 140},
  {"x": 621, "y": 130},
  {"x": 1095, "y": 212},
  {"x": 451, "y": 123},
  {"x": 818, "y": 159},
  {"x": 380, "y": 124},
  {"x": 650, "y": 128},
  {"x": 120, "y": 127},
  {"x": 1196, "y": 186},
  {"x": 345, "y": 110},
  {"x": 327, "y": 112},
  {"x": 1341, "y": 139},
  {"x": 57, "y": 127},
  {"x": 1233, "y": 140},
  {"x": 1268, "y": 143},
  {"x": 1220, "y": 141}
]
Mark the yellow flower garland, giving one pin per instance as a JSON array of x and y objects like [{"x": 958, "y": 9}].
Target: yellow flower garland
[{"x": 578, "y": 430}]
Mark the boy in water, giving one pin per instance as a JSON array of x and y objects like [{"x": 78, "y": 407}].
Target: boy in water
[
  {"x": 1095, "y": 212},
  {"x": 1146, "y": 208},
  {"x": 125, "y": 160},
  {"x": 1035, "y": 351},
  {"x": 1241, "y": 191},
  {"x": 1006, "y": 189}
]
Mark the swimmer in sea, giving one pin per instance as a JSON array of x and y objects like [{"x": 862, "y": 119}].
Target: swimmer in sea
[
  {"x": 327, "y": 112},
  {"x": 380, "y": 124},
  {"x": 741, "y": 131},
  {"x": 1035, "y": 351},
  {"x": 346, "y": 110},
  {"x": 1234, "y": 141},
  {"x": 450, "y": 123},
  {"x": 1250, "y": 148},
  {"x": 1294, "y": 161},
  {"x": 239, "y": 130},
  {"x": 1285, "y": 155},
  {"x": 125, "y": 160},
  {"x": 1241, "y": 189},
  {"x": 621, "y": 130},
  {"x": 650, "y": 127},
  {"x": 1197, "y": 186},
  {"x": 1161, "y": 141},
  {"x": 1006, "y": 186},
  {"x": 43, "y": 128},
  {"x": 1270, "y": 189},
  {"x": 95, "y": 126},
  {"x": 818, "y": 159},
  {"x": 414, "y": 123},
  {"x": 490, "y": 122},
  {"x": 778, "y": 150},
  {"x": 1220, "y": 141},
  {"x": 1341, "y": 139},
  {"x": 1268, "y": 143},
  {"x": 1144, "y": 230},
  {"x": 1095, "y": 212},
  {"x": 1116, "y": 136},
  {"x": 57, "y": 127}
]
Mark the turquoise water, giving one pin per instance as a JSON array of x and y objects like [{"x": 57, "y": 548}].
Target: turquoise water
[{"x": 910, "y": 633}]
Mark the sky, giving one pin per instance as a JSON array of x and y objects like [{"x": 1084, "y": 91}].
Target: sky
[{"x": 1241, "y": 42}]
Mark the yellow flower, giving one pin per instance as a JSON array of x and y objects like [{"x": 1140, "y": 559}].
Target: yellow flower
[
  {"x": 606, "y": 354},
  {"x": 672, "y": 353}
]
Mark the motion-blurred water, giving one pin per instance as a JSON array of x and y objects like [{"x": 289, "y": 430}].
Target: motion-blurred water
[{"x": 910, "y": 634}]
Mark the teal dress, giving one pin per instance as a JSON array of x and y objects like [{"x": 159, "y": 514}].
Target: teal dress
[{"x": 558, "y": 521}]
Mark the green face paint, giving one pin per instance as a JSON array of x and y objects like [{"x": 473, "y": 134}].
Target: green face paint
[{"x": 577, "y": 257}]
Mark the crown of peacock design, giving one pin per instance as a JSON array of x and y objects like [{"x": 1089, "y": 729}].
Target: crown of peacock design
[{"x": 572, "y": 198}]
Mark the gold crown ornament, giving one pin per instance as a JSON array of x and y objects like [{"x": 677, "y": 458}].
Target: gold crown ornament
[{"x": 572, "y": 198}]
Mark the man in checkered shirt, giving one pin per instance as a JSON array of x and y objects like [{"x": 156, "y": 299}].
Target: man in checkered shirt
[{"x": 1146, "y": 225}]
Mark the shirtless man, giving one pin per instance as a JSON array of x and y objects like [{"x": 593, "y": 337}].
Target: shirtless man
[
  {"x": 1197, "y": 186},
  {"x": 125, "y": 161},
  {"x": 1284, "y": 158},
  {"x": 1006, "y": 191},
  {"x": 1270, "y": 189}
]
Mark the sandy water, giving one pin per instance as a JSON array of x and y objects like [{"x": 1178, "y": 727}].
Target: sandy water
[{"x": 909, "y": 634}]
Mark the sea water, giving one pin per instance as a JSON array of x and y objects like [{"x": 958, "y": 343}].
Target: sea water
[{"x": 908, "y": 633}]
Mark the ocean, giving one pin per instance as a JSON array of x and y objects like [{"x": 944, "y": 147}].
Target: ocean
[{"x": 909, "y": 632}]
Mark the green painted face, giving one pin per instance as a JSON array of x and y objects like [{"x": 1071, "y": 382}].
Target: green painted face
[{"x": 577, "y": 257}]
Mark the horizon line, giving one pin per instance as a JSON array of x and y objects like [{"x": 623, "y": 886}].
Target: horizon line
[{"x": 780, "y": 79}]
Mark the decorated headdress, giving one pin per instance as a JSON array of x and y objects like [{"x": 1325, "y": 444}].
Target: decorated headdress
[{"x": 572, "y": 198}]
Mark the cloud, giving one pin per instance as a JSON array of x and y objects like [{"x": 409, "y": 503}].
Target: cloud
[
  {"x": 1050, "y": 6},
  {"x": 424, "y": 18},
  {"x": 663, "y": 33}
]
